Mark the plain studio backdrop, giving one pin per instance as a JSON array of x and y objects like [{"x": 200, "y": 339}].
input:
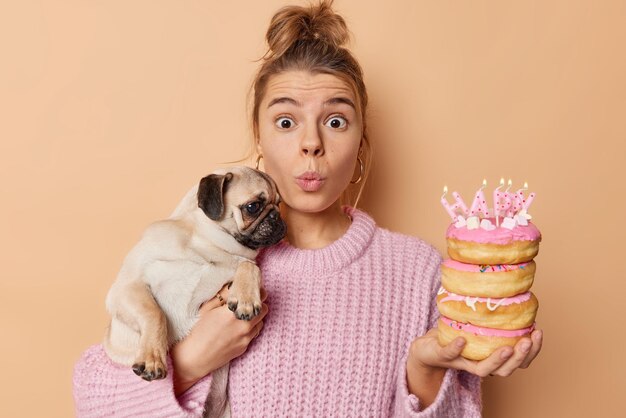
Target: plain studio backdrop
[{"x": 111, "y": 110}]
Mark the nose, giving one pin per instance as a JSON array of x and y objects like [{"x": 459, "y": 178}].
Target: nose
[
  {"x": 273, "y": 215},
  {"x": 312, "y": 143}
]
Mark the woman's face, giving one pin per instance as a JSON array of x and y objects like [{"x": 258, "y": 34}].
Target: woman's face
[{"x": 309, "y": 136}]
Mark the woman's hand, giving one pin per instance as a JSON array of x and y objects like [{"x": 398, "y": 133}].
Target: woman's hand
[
  {"x": 217, "y": 338},
  {"x": 428, "y": 361},
  {"x": 426, "y": 352}
]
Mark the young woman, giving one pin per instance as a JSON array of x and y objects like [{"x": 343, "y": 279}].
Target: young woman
[{"x": 351, "y": 328}]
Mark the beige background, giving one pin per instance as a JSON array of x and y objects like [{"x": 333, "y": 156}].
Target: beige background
[{"x": 111, "y": 110}]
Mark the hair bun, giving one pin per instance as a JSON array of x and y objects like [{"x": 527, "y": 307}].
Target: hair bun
[{"x": 314, "y": 23}]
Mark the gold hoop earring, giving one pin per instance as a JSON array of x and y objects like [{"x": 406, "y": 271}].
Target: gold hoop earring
[
  {"x": 358, "y": 158},
  {"x": 258, "y": 160}
]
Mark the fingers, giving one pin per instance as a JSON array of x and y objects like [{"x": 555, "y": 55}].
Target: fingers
[
  {"x": 256, "y": 330},
  {"x": 426, "y": 351},
  {"x": 492, "y": 363},
  {"x": 261, "y": 315},
  {"x": 215, "y": 302},
  {"x": 245, "y": 327},
  {"x": 519, "y": 354},
  {"x": 524, "y": 353},
  {"x": 537, "y": 339},
  {"x": 251, "y": 329},
  {"x": 502, "y": 362},
  {"x": 452, "y": 350},
  {"x": 222, "y": 296}
]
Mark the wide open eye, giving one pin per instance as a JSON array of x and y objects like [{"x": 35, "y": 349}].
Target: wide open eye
[
  {"x": 253, "y": 208},
  {"x": 284, "y": 122},
  {"x": 337, "y": 122}
]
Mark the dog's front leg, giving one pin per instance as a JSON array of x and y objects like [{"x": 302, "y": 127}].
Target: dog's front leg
[
  {"x": 244, "y": 296},
  {"x": 139, "y": 309}
]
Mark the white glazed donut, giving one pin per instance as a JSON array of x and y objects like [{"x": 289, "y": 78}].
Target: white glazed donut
[{"x": 510, "y": 313}]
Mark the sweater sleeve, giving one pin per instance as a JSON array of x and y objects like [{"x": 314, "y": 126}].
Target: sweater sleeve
[
  {"x": 103, "y": 388},
  {"x": 459, "y": 394}
]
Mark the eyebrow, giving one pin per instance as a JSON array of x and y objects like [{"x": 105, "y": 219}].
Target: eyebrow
[{"x": 294, "y": 102}]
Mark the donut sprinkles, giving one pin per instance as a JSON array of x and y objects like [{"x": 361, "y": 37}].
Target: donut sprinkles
[
  {"x": 485, "y": 267},
  {"x": 506, "y": 267}
]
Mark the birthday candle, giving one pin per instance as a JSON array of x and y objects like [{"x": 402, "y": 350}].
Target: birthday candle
[
  {"x": 460, "y": 203},
  {"x": 496, "y": 201},
  {"x": 508, "y": 201},
  {"x": 445, "y": 204},
  {"x": 528, "y": 201},
  {"x": 519, "y": 199},
  {"x": 479, "y": 204}
]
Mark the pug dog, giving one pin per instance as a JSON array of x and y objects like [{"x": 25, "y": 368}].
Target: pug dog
[{"x": 211, "y": 239}]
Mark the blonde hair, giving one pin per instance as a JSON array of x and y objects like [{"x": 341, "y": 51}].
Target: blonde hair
[{"x": 312, "y": 39}]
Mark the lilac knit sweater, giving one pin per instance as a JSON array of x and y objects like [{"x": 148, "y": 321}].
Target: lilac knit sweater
[{"x": 334, "y": 343}]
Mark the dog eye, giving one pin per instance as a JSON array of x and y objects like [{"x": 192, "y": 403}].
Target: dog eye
[{"x": 253, "y": 208}]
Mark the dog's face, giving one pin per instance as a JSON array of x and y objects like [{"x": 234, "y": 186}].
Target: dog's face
[{"x": 244, "y": 202}]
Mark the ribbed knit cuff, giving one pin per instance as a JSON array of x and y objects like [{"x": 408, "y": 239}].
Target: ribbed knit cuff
[
  {"x": 193, "y": 398},
  {"x": 103, "y": 388},
  {"x": 408, "y": 405}
]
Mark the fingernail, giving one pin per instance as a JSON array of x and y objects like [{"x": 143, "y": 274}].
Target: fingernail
[
  {"x": 505, "y": 354},
  {"x": 525, "y": 346},
  {"x": 538, "y": 335},
  {"x": 460, "y": 343}
]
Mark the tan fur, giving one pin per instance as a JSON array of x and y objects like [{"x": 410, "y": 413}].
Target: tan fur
[
  {"x": 178, "y": 264},
  {"x": 245, "y": 290}
]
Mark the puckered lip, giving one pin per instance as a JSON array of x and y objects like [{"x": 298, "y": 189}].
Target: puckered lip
[{"x": 310, "y": 175}]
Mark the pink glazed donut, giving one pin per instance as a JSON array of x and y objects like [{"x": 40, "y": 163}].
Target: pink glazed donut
[
  {"x": 481, "y": 342},
  {"x": 488, "y": 281},
  {"x": 498, "y": 246}
]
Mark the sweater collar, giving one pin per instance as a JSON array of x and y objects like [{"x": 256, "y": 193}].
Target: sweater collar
[{"x": 335, "y": 256}]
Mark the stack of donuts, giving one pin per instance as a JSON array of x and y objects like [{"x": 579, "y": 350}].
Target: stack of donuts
[{"x": 485, "y": 295}]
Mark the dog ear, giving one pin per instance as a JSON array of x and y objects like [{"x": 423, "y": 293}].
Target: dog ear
[{"x": 211, "y": 194}]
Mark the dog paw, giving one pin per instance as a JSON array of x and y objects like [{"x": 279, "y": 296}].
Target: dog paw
[
  {"x": 245, "y": 309},
  {"x": 151, "y": 367}
]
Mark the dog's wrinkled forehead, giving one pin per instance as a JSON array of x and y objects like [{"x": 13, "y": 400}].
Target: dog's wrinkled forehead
[{"x": 251, "y": 184}]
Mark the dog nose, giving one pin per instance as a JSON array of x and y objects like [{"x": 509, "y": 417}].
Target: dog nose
[{"x": 273, "y": 214}]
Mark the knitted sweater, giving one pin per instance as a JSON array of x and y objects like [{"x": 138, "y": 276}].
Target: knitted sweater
[{"x": 334, "y": 342}]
